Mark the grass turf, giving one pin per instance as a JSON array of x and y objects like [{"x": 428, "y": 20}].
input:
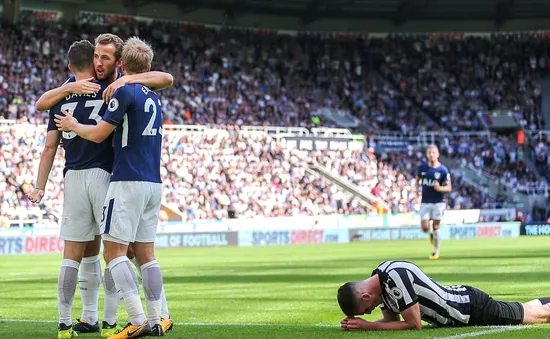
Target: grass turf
[{"x": 286, "y": 292}]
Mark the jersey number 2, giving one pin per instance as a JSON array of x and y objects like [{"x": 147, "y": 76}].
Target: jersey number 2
[
  {"x": 71, "y": 107},
  {"x": 149, "y": 130}
]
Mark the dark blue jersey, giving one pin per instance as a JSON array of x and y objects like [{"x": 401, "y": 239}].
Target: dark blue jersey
[
  {"x": 80, "y": 153},
  {"x": 428, "y": 176},
  {"x": 136, "y": 112}
]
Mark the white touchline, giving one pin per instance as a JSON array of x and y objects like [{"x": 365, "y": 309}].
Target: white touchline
[
  {"x": 9, "y": 320},
  {"x": 477, "y": 334}
]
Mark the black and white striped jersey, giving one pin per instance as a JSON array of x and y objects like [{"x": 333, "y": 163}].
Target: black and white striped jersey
[{"x": 404, "y": 284}]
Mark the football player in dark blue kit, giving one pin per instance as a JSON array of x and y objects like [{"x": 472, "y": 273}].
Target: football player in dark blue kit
[
  {"x": 435, "y": 180},
  {"x": 88, "y": 106},
  {"x": 132, "y": 205},
  {"x": 86, "y": 176}
]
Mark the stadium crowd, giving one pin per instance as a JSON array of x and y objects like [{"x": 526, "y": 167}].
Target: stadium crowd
[
  {"x": 499, "y": 156},
  {"x": 239, "y": 77},
  {"x": 232, "y": 77},
  {"x": 220, "y": 174}
]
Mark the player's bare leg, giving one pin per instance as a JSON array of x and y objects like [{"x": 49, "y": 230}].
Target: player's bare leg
[
  {"x": 152, "y": 286},
  {"x": 89, "y": 282},
  {"x": 66, "y": 286},
  {"x": 127, "y": 286},
  {"x": 425, "y": 224},
  {"x": 436, "y": 239}
]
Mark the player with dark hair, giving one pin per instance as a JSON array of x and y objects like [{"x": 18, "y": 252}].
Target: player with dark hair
[
  {"x": 400, "y": 288},
  {"x": 132, "y": 205},
  {"x": 86, "y": 176},
  {"x": 435, "y": 180}
]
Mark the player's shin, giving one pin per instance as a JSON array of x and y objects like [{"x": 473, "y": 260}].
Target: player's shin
[
  {"x": 90, "y": 282},
  {"x": 437, "y": 240},
  {"x": 66, "y": 286},
  {"x": 137, "y": 265},
  {"x": 127, "y": 287},
  {"x": 153, "y": 287},
  {"x": 165, "y": 313},
  {"x": 112, "y": 299}
]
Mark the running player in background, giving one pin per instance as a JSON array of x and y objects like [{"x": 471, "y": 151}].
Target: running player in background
[
  {"x": 435, "y": 180},
  {"x": 133, "y": 201},
  {"x": 104, "y": 60}
]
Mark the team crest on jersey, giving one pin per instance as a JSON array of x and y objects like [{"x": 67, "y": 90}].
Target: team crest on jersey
[
  {"x": 437, "y": 175},
  {"x": 113, "y": 105},
  {"x": 397, "y": 293}
]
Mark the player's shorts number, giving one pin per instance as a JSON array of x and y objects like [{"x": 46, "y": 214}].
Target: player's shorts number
[{"x": 94, "y": 115}]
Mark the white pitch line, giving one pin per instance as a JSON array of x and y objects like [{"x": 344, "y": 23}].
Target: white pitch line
[
  {"x": 477, "y": 334},
  {"x": 185, "y": 323}
]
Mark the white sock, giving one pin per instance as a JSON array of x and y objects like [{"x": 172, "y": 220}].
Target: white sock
[
  {"x": 152, "y": 285},
  {"x": 437, "y": 241},
  {"x": 66, "y": 286},
  {"x": 165, "y": 313},
  {"x": 90, "y": 281},
  {"x": 112, "y": 300},
  {"x": 127, "y": 287},
  {"x": 137, "y": 265}
]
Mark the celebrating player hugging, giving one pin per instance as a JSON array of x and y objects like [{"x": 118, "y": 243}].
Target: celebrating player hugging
[
  {"x": 435, "y": 180},
  {"x": 88, "y": 168},
  {"x": 131, "y": 208}
]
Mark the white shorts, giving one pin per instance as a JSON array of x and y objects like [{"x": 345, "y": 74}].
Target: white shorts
[
  {"x": 131, "y": 212},
  {"x": 432, "y": 211},
  {"x": 83, "y": 199}
]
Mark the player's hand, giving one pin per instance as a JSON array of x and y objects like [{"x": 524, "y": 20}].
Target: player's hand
[
  {"x": 65, "y": 122},
  {"x": 437, "y": 186},
  {"x": 111, "y": 89},
  {"x": 354, "y": 324},
  {"x": 36, "y": 195},
  {"x": 85, "y": 86}
]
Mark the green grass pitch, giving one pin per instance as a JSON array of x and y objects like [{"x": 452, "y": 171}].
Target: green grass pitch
[{"x": 287, "y": 292}]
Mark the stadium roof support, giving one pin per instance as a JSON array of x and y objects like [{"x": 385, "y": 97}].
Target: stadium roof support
[
  {"x": 408, "y": 9},
  {"x": 504, "y": 10}
]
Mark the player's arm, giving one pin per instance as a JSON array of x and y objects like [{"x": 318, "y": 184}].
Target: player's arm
[
  {"x": 46, "y": 162},
  {"x": 411, "y": 317},
  {"x": 96, "y": 133},
  {"x": 444, "y": 187},
  {"x": 116, "y": 110},
  {"x": 53, "y": 96},
  {"x": 155, "y": 80},
  {"x": 388, "y": 316}
]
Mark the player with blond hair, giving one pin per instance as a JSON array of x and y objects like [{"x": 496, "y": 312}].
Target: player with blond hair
[
  {"x": 132, "y": 205},
  {"x": 87, "y": 176}
]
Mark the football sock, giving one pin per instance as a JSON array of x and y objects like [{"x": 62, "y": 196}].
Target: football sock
[
  {"x": 137, "y": 265},
  {"x": 127, "y": 286},
  {"x": 152, "y": 285},
  {"x": 66, "y": 286},
  {"x": 112, "y": 300},
  {"x": 437, "y": 241},
  {"x": 90, "y": 281},
  {"x": 165, "y": 312}
]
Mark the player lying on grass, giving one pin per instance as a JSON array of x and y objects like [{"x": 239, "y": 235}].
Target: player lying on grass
[{"x": 400, "y": 288}]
